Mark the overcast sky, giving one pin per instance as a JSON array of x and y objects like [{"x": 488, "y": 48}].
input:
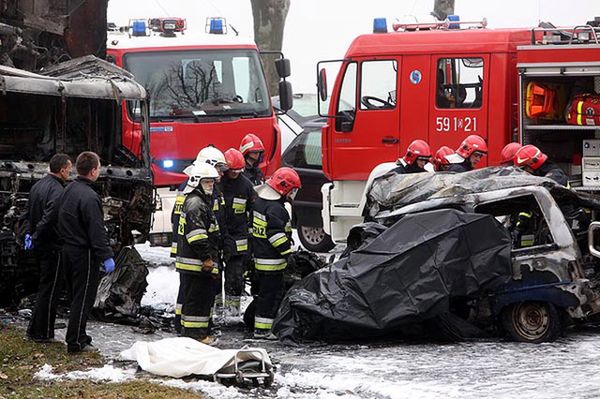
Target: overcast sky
[{"x": 322, "y": 29}]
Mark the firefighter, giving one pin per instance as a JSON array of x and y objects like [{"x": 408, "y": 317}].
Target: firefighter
[
  {"x": 417, "y": 156},
  {"x": 440, "y": 162},
  {"x": 212, "y": 156},
  {"x": 85, "y": 247},
  {"x": 272, "y": 245},
  {"x": 239, "y": 198},
  {"x": 41, "y": 218},
  {"x": 508, "y": 153},
  {"x": 534, "y": 161},
  {"x": 468, "y": 154},
  {"x": 198, "y": 253},
  {"x": 253, "y": 150}
]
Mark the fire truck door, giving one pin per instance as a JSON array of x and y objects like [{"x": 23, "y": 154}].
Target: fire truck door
[
  {"x": 366, "y": 130},
  {"x": 460, "y": 92}
]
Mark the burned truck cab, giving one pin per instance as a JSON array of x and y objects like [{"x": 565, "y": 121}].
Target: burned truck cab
[{"x": 71, "y": 107}]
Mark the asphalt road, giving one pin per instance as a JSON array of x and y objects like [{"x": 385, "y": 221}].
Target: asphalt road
[{"x": 479, "y": 369}]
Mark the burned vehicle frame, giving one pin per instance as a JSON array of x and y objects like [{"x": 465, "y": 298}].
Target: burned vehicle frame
[
  {"x": 555, "y": 277},
  {"x": 75, "y": 106}
]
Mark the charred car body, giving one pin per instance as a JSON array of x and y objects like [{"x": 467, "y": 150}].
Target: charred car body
[
  {"x": 75, "y": 106},
  {"x": 550, "y": 282}
]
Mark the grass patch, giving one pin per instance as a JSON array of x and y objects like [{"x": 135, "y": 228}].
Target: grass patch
[{"x": 21, "y": 359}]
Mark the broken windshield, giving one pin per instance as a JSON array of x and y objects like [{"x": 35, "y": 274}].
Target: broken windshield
[{"x": 199, "y": 83}]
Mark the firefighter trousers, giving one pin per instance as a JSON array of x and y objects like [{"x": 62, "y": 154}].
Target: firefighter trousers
[
  {"x": 41, "y": 325},
  {"x": 179, "y": 305},
  {"x": 199, "y": 291},
  {"x": 234, "y": 275},
  {"x": 82, "y": 272},
  {"x": 270, "y": 294}
]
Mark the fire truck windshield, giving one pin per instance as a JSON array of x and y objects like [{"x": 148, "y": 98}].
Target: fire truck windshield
[{"x": 201, "y": 83}]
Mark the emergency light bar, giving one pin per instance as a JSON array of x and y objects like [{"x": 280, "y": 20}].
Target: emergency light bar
[
  {"x": 449, "y": 23},
  {"x": 216, "y": 25},
  {"x": 168, "y": 25}
]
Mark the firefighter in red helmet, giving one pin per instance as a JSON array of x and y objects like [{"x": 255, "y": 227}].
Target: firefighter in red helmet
[
  {"x": 272, "y": 245},
  {"x": 417, "y": 155},
  {"x": 508, "y": 154},
  {"x": 468, "y": 154},
  {"x": 439, "y": 160},
  {"x": 534, "y": 161},
  {"x": 239, "y": 196},
  {"x": 253, "y": 150}
]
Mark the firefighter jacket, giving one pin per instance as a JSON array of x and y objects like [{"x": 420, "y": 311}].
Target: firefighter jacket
[
  {"x": 271, "y": 235},
  {"x": 254, "y": 174},
  {"x": 554, "y": 172},
  {"x": 218, "y": 207},
  {"x": 239, "y": 197},
  {"x": 198, "y": 234},
  {"x": 405, "y": 168},
  {"x": 81, "y": 220},
  {"x": 464, "y": 166},
  {"x": 179, "y": 199},
  {"x": 41, "y": 215}
]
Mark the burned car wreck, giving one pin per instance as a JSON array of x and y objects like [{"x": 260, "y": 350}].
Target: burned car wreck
[
  {"x": 444, "y": 263},
  {"x": 73, "y": 107}
]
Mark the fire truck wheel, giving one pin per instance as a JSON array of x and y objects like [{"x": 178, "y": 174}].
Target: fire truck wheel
[
  {"x": 533, "y": 322},
  {"x": 315, "y": 239}
]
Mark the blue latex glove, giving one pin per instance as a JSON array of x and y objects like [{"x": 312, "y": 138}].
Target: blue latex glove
[
  {"x": 108, "y": 265},
  {"x": 28, "y": 242}
]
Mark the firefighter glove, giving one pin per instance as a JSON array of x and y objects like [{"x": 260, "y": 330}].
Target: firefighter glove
[
  {"x": 28, "y": 242},
  {"x": 108, "y": 265},
  {"x": 208, "y": 265}
]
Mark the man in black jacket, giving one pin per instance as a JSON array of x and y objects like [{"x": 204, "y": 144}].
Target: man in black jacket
[
  {"x": 85, "y": 247},
  {"x": 42, "y": 237}
]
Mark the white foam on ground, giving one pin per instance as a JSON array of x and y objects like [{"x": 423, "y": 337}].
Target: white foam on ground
[
  {"x": 163, "y": 283},
  {"x": 107, "y": 373}
]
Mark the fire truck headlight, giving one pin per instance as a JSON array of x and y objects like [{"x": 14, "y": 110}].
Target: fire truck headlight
[{"x": 168, "y": 164}]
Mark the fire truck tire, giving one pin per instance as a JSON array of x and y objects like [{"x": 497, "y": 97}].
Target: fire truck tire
[
  {"x": 315, "y": 239},
  {"x": 532, "y": 322}
]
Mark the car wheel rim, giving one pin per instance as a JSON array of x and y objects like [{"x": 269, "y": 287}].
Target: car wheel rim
[
  {"x": 531, "y": 321},
  {"x": 313, "y": 235}
]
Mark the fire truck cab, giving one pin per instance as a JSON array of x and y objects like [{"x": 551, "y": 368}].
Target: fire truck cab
[
  {"x": 392, "y": 88},
  {"x": 442, "y": 85},
  {"x": 204, "y": 88}
]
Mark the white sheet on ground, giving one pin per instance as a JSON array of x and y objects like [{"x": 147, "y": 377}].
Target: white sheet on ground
[{"x": 180, "y": 357}]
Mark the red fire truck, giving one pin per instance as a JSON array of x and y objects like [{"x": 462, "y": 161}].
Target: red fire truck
[
  {"x": 204, "y": 88},
  {"x": 442, "y": 84}
]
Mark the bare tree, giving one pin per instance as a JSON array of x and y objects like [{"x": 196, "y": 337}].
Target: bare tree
[
  {"x": 269, "y": 22},
  {"x": 443, "y": 8}
]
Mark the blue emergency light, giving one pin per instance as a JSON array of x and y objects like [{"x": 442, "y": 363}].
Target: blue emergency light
[
  {"x": 216, "y": 26},
  {"x": 138, "y": 28},
  {"x": 453, "y": 18},
  {"x": 380, "y": 25},
  {"x": 168, "y": 164}
]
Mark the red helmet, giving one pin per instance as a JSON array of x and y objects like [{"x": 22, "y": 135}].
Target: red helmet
[
  {"x": 439, "y": 158},
  {"x": 472, "y": 144},
  {"x": 418, "y": 149},
  {"x": 251, "y": 142},
  {"x": 284, "y": 180},
  {"x": 234, "y": 159},
  {"x": 508, "y": 153},
  {"x": 530, "y": 155}
]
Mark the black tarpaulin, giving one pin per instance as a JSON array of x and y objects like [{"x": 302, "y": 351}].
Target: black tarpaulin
[{"x": 408, "y": 274}]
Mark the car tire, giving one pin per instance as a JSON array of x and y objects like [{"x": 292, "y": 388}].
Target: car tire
[
  {"x": 315, "y": 239},
  {"x": 532, "y": 321}
]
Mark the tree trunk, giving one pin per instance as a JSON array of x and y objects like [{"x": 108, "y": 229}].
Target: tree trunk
[
  {"x": 443, "y": 8},
  {"x": 269, "y": 22}
]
